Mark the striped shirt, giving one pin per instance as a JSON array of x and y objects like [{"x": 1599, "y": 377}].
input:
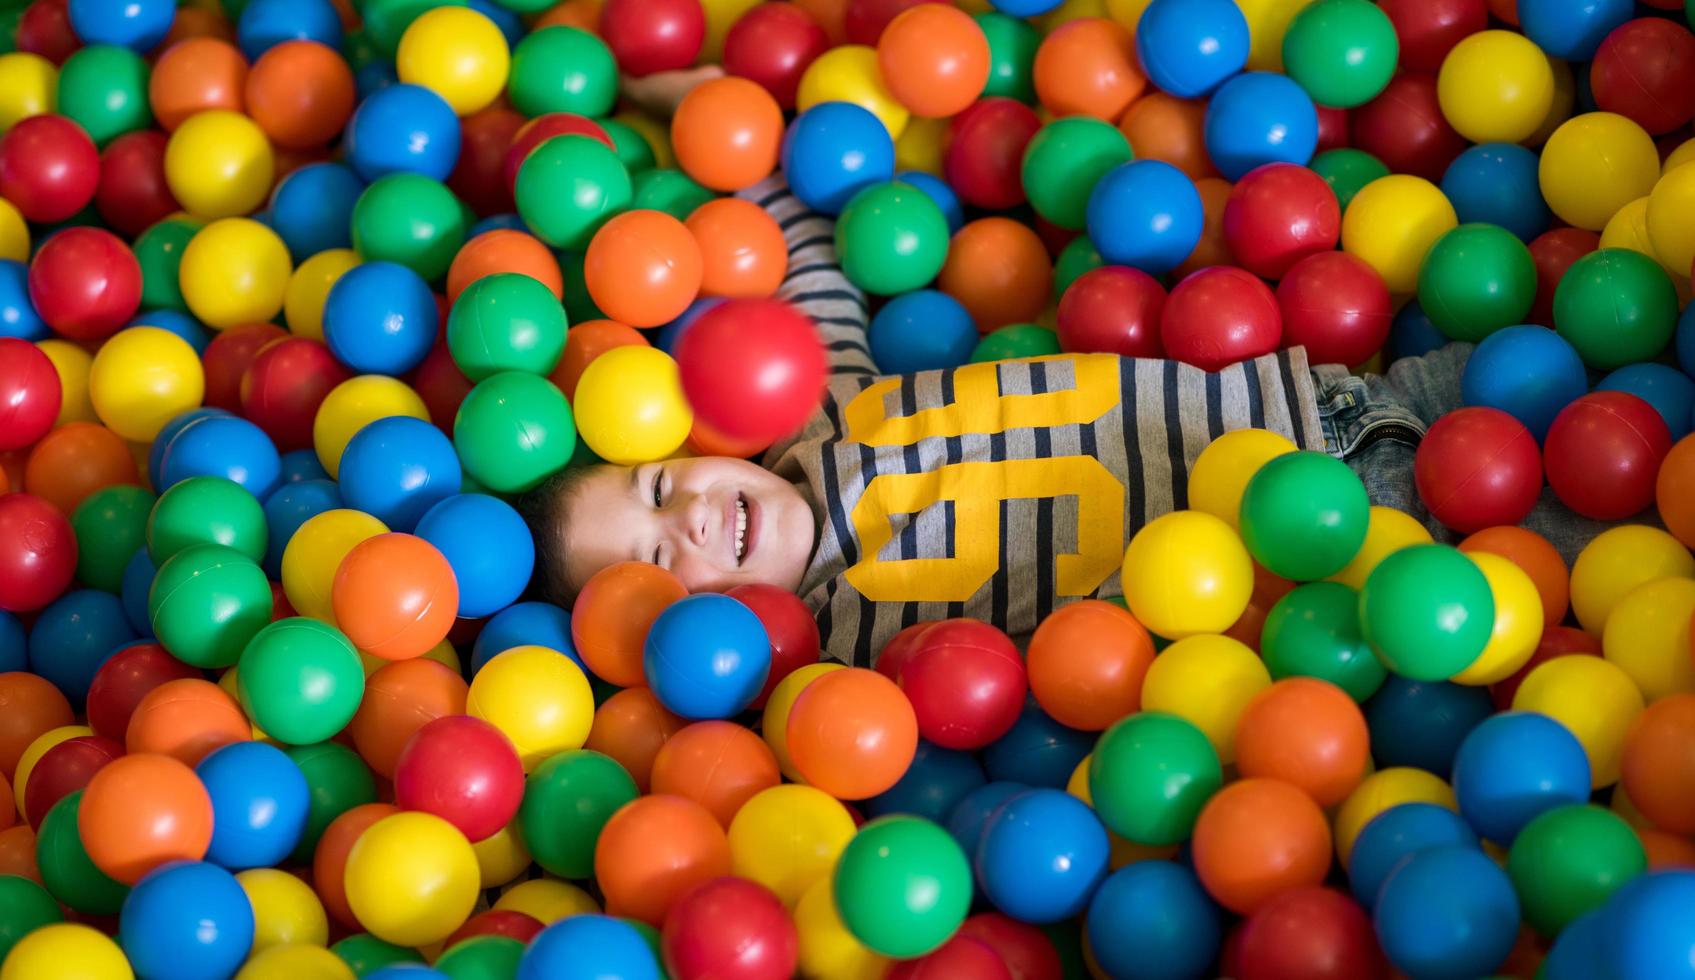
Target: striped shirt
[{"x": 994, "y": 491}]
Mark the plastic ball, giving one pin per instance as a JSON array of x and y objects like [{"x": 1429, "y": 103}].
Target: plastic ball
[
  {"x": 300, "y": 680},
  {"x": 567, "y": 803},
  {"x": 1220, "y": 475},
  {"x": 395, "y": 596},
  {"x": 1341, "y": 51},
  {"x": 537, "y": 697},
  {"x": 32, "y": 393},
  {"x": 1392, "y": 224},
  {"x": 826, "y": 733},
  {"x": 1447, "y": 910},
  {"x": 1675, "y": 471},
  {"x": 1187, "y": 573},
  {"x": 631, "y": 727},
  {"x": 1528, "y": 372},
  {"x": 403, "y": 128},
  {"x": 588, "y": 944},
  {"x": 379, "y": 318},
  {"x": 1188, "y": 49},
  {"x": 1670, "y": 391},
  {"x": 235, "y": 271},
  {"x": 1258, "y": 118},
  {"x": 1515, "y": 766},
  {"x": 103, "y": 89},
  {"x": 1603, "y": 452},
  {"x": 1154, "y": 910},
  {"x": 614, "y": 611},
  {"x": 285, "y": 910},
  {"x": 412, "y": 878},
  {"x": 1427, "y": 612},
  {"x": 998, "y": 269},
  {"x": 1304, "y": 515},
  {"x": 1593, "y": 165},
  {"x": 1478, "y": 467},
  {"x": 143, "y": 378},
  {"x": 1568, "y": 861},
  {"x": 1207, "y": 681},
  {"x": 409, "y": 219},
  {"x": 1656, "y": 776},
  {"x": 205, "y": 510},
  {"x": 892, "y": 238},
  {"x": 921, "y": 331},
  {"x": 207, "y": 602},
  {"x": 1593, "y": 698},
  {"x": 84, "y": 283},
  {"x": 259, "y": 802},
  {"x": 1277, "y": 215},
  {"x": 62, "y": 769},
  {"x": 833, "y": 150},
  {"x": 759, "y": 942},
  {"x": 1404, "y": 128},
  {"x": 186, "y": 719},
  {"x": 714, "y": 681},
  {"x": 458, "y": 53},
  {"x": 49, "y": 168},
  {"x": 463, "y": 770},
  {"x": 399, "y": 699},
  {"x": 966, "y": 684},
  {"x": 1518, "y": 622},
  {"x": 301, "y": 93},
  {"x": 488, "y": 546},
  {"x": 1395, "y": 834},
  {"x": 934, "y": 63},
  {"x": 123, "y": 680},
  {"x": 1257, "y": 837},
  {"x": 1308, "y": 733},
  {"x": 1476, "y": 279},
  {"x": 727, "y": 133},
  {"x": 1308, "y": 932},
  {"x": 1088, "y": 66},
  {"x": 1314, "y": 631},
  {"x": 1642, "y": 71},
  {"x": 654, "y": 851},
  {"x": 1145, "y": 214},
  {"x": 1086, "y": 664},
  {"x": 902, "y": 886},
  {"x": 984, "y": 153},
  {"x": 1112, "y": 309},
  {"x": 1495, "y": 86},
  {"x": 773, "y": 45},
  {"x": 1041, "y": 856},
  {"x": 396, "y": 469},
  {"x": 1570, "y": 31},
  {"x": 219, "y": 164},
  {"x": 141, "y": 811},
  {"x": 642, "y": 267},
  {"x": 1496, "y": 183},
  {"x": 1128, "y": 777},
  {"x": 630, "y": 406},
  {"x": 1336, "y": 306},
  {"x": 562, "y": 69}
]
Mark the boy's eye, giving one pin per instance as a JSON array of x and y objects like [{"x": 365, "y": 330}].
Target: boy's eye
[{"x": 656, "y": 494}]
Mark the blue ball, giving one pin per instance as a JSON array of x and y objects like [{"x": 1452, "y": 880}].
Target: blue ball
[
  {"x": 1145, "y": 214},
  {"x": 932, "y": 786},
  {"x": 135, "y": 24},
  {"x": 74, "y": 635},
  {"x": 1447, "y": 912},
  {"x": 669, "y": 333},
  {"x": 1513, "y": 767},
  {"x": 937, "y": 190},
  {"x": 1572, "y": 29},
  {"x": 290, "y": 506},
  {"x": 1152, "y": 920},
  {"x": 1189, "y": 47},
  {"x": 1648, "y": 928},
  {"x": 397, "y": 468},
  {"x": 171, "y": 429},
  {"x": 488, "y": 546},
  {"x": 14, "y": 644},
  {"x": 1421, "y": 724},
  {"x": 187, "y": 920},
  {"x": 923, "y": 330},
  {"x": 706, "y": 656},
  {"x": 403, "y": 129},
  {"x": 302, "y": 465},
  {"x": 259, "y": 804},
  {"x": 226, "y": 446},
  {"x": 374, "y": 76},
  {"x": 17, "y": 315},
  {"x": 1529, "y": 372},
  {"x": 1685, "y": 340},
  {"x": 1497, "y": 184},
  {"x": 1413, "y": 335},
  {"x": 1395, "y": 833},
  {"x": 264, "y": 24},
  {"x": 1258, "y": 118},
  {"x": 1038, "y": 751},
  {"x": 1670, "y": 391},
  {"x": 177, "y": 322},
  {"x": 138, "y": 578},
  {"x": 834, "y": 149},
  {"x": 1042, "y": 856},
  {"x": 511, "y": 25},
  {"x": 970, "y": 816},
  {"x": 380, "y": 318},
  {"x": 1583, "y": 950},
  {"x": 1024, "y": 8},
  {"x": 526, "y": 624},
  {"x": 588, "y": 947},
  {"x": 310, "y": 208}
]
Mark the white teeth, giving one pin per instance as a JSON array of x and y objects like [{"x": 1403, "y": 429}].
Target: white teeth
[{"x": 741, "y": 528}]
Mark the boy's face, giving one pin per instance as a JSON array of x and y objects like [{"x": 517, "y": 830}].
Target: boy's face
[{"x": 715, "y": 522}]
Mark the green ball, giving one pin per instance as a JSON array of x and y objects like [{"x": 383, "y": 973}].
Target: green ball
[
  {"x": 579, "y": 305},
  {"x": 1617, "y": 307},
  {"x": 902, "y": 886},
  {"x": 1064, "y": 161},
  {"x": 205, "y": 510},
  {"x": 360, "y": 50},
  {"x": 103, "y": 89},
  {"x": 633, "y": 149},
  {"x": 300, "y": 680},
  {"x": 386, "y": 20},
  {"x": 159, "y": 250},
  {"x": 24, "y": 907},
  {"x": 1570, "y": 860},
  {"x": 111, "y": 526},
  {"x": 671, "y": 191},
  {"x": 569, "y": 186},
  {"x": 206, "y": 603},
  {"x": 1427, "y": 612},
  {"x": 1475, "y": 280},
  {"x": 567, "y": 801},
  {"x": 891, "y": 238},
  {"x": 482, "y": 958},
  {"x": 1075, "y": 259},
  {"x": 1343, "y": 52},
  {"x": 528, "y": 6},
  {"x": 410, "y": 219},
  {"x": 1314, "y": 631},
  {"x": 1015, "y": 340},
  {"x": 337, "y": 781},
  {"x": 9, "y": 18},
  {"x": 1304, "y": 515},
  {"x": 1150, "y": 775},
  {"x": 563, "y": 69},
  {"x": 513, "y": 431},
  {"x": 364, "y": 953},
  {"x": 67, "y": 870},
  {"x": 1347, "y": 170},
  {"x": 506, "y": 322},
  {"x": 1012, "y": 56}
]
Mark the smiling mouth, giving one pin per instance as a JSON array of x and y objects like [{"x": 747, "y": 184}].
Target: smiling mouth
[{"x": 741, "y": 528}]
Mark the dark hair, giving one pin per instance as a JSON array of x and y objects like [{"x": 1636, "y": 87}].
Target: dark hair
[{"x": 546, "y": 509}]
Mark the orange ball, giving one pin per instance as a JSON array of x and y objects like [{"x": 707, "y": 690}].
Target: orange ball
[
  {"x": 704, "y": 440},
  {"x": 329, "y": 860},
  {"x": 142, "y": 810},
  {"x": 395, "y": 596},
  {"x": 1539, "y": 560},
  {"x": 830, "y": 15},
  {"x": 29, "y": 707},
  {"x": 192, "y": 22},
  {"x": 301, "y": 94},
  {"x": 196, "y": 75},
  {"x": 653, "y": 851},
  {"x": 726, "y": 133},
  {"x": 1211, "y": 249},
  {"x": 75, "y": 460},
  {"x": 643, "y": 268},
  {"x": 632, "y": 726},
  {"x": 401, "y": 698},
  {"x": 1166, "y": 128},
  {"x": 1087, "y": 67},
  {"x": 1258, "y": 837},
  {"x": 614, "y": 610},
  {"x": 1666, "y": 850},
  {"x": 1086, "y": 664},
  {"x": 17, "y": 853},
  {"x": 586, "y": 341},
  {"x": 1268, "y": 588},
  {"x": 998, "y": 270},
  {"x": 1308, "y": 733},
  {"x": 504, "y": 250},
  {"x": 1658, "y": 768},
  {"x": 584, "y": 15},
  {"x": 934, "y": 59},
  {"x": 8, "y": 805},
  {"x": 718, "y": 764},
  {"x": 742, "y": 249},
  {"x": 186, "y": 719},
  {"x": 852, "y": 733},
  {"x": 1671, "y": 491}
]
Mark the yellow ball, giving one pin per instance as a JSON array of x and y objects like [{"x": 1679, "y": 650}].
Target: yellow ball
[
  {"x": 457, "y": 53},
  {"x": 295, "y": 963},
  {"x": 1592, "y": 697},
  {"x": 1495, "y": 86},
  {"x": 65, "y": 951},
  {"x": 501, "y": 857},
  {"x": 538, "y": 697},
  {"x": 630, "y": 406},
  {"x": 721, "y": 15},
  {"x": 787, "y": 837},
  {"x": 1381, "y": 791},
  {"x": 142, "y": 378},
  {"x": 1128, "y": 13},
  {"x": 1069, "y": 11},
  {"x": 312, "y": 555},
  {"x": 1208, "y": 682},
  {"x": 547, "y": 900},
  {"x": 309, "y": 286},
  {"x": 1616, "y": 562},
  {"x": 1222, "y": 471},
  {"x": 1388, "y": 531},
  {"x": 1518, "y": 622},
  {"x": 14, "y": 234},
  {"x": 827, "y": 950},
  {"x": 850, "y": 74},
  {"x": 33, "y": 753},
  {"x": 1671, "y": 228},
  {"x": 219, "y": 164},
  {"x": 1685, "y": 153},
  {"x": 1629, "y": 229},
  {"x": 411, "y": 879},
  {"x": 29, "y": 86},
  {"x": 234, "y": 271},
  {"x": 657, "y": 136},
  {"x": 1392, "y": 222},
  {"x": 354, "y": 404},
  {"x": 1187, "y": 573},
  {"x": 1648, "y": 637},
  {"x": 286, "y": 910},
  {"x": 921, "y": 146},
  {"x": 1268, "y": 21},
  {"x": 774, "y": 723},
  {"x": 72, "y": 364},
  {"x": 1595, "y": 164}
]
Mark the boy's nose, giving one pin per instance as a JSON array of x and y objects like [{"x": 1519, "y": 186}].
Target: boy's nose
[{"x": 696, "y": 515}]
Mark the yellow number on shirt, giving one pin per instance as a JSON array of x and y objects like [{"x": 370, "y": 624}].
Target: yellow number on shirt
[{"x": 979, "y": 408}]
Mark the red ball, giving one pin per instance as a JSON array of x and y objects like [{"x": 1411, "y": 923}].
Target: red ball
[
  {"x": 1309, "y": 933},
  {"x": 45, "y": 29},
  {"x": 85, "y": 282},
  {"x": 1429, "y": 29},
  {"x": 753, "y": 369},
  {"x": 283, "y": 386},
  {"x": 897, "y": 653},
  {"x": 496, "y": 922},
  {"x": 1478, "y": 467},
  {"x": 49, "y": 168},
  {"x": 1335, "y": 128},
  {"x": 442, "y": 386},
  {"x": 1337, "y": 307},
  {"x": 984, "y": 158},
  {"x": 794, "y": 633},
  {"x": 1114, "y": 309},
  {"x": 961, "y": 956},
  {"x": 864, "y": 20},
  {"x": 133, "y": 194},
  {"x": 227, "y": 358},
  {"x": 465, "y": 771},
  {"x": 966, "y": 683},
  {"x": 648, "y": 36},
  {"x": 1645, "y": 70},
  {"x": 64, "y": 769},
  {"x": 30, "y": 394},
  {"x": 538, "y": 131},
  {"x": 479, "y": 176},
  {"x": 1025, "y": 949},
  {"x": 772, "y": 45},
  {"x": 1218, "y": 316},
  {"x": 38, "y": 552},
  {"x": 1554, "y": 252},
  {"x": 1603, "y": 454},
  {"x": 121, "y": 683},
  {"x": 1404, "y": 127},
  {"x": 729, "y": 929},
  {"x": 1279, "y": 214}
]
